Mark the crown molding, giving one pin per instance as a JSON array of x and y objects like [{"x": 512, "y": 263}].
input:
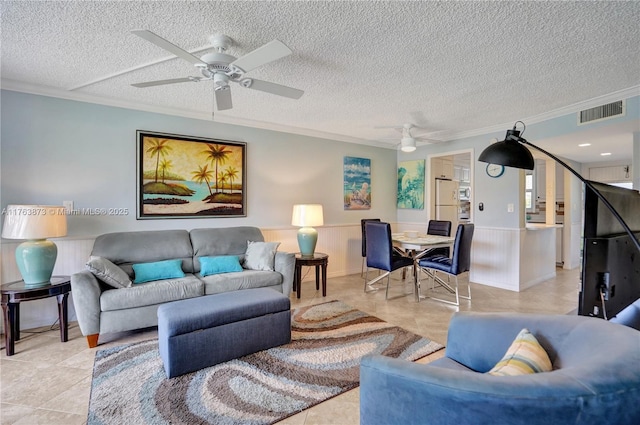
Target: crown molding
[
  {"x": 18, "y": 86},
  {"x": 556, "y": 113},
  {"x": 13, "y": 85}
]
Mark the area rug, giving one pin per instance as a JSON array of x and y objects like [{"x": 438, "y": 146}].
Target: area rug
[{"x": 129, "y": 384}]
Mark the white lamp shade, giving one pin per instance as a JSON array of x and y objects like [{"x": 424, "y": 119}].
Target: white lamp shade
[
  {"x": 307, "y": 215},
  {"x": 34, "y": 222}
]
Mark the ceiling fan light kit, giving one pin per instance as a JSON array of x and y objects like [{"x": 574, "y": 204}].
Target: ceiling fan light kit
[
  {"x": 408, "y": 144},
  {"x": 222, "y": 68}
]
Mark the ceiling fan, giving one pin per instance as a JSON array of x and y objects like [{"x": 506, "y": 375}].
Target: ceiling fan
[
  {"x": 408, "y": 141},
  {"x": 222, "y": 68}
]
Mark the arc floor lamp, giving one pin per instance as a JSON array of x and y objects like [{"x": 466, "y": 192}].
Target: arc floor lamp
[
  {"x": 511, "y": 152},
  {"x": 596, "y": 272}
]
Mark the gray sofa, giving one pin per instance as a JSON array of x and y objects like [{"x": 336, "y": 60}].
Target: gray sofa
[{"x": 101, "y": 308}]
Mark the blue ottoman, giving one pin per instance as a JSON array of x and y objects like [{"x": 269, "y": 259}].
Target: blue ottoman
[{"x": 204, "y": 331}]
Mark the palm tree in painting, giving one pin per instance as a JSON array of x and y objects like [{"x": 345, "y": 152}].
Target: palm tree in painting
[
  {"x": 231, "y": 174},
  {"x": 158, "y": 147},
  {"x": 203, "y": 175},
  {"x": 218, "y": 155},
  {"x": 222, "y": 178},
  {"x": 164, "y": 166}
]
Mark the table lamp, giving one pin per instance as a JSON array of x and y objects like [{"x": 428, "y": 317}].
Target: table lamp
[
  {"x": 37, "y": 255},
  {"x": 306, "y": 216}
]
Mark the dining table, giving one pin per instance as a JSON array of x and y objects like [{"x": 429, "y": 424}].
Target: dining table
[{"x": 418, "y": 245}]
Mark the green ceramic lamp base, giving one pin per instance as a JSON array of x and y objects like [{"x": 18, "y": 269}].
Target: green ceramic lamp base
[
  {"x": 307, "y": 238},
  {"x": 36, "y": 259}
]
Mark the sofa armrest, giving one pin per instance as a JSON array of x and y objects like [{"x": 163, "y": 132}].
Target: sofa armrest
[
  {"x": 285, "y": 264},
  {"x": 86, "y": 300}
]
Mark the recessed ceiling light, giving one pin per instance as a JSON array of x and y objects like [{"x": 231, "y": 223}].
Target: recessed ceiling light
[
  {"x": 605, "y": 154},
  {"x": 582, "y": 145}
]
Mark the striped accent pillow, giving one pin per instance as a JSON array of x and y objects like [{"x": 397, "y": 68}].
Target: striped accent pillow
[{"x": 524, "y": 356}]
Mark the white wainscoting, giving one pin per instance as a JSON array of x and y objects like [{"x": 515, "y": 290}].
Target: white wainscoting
[
  {"x": 537, "y": 256},
  {"x": 342, "y": 243},
  {"x": 495, "y": 257}
]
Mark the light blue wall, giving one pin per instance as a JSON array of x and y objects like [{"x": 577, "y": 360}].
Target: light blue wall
[
  {"x": 54, "y": 150},
  {"x": 496, "y": 194}
]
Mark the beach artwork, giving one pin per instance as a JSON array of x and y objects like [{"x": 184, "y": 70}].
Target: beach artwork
[
  {"x": 357, "y": 183},
  {"x": 411, "y": 185},
  {"x": 190, "y": 177}
]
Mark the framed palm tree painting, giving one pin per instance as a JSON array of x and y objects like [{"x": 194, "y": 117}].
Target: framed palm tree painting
[{"x": 189, "y": 177}]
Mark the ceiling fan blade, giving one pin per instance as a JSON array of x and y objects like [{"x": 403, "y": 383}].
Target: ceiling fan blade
[
  {"x": 163, "y": 82},
  {"x": 271, "y": 51},
  {"x": 273, "y": 88},
  {"x": 223, "y": 98},
  {"x": 166, "y": 45}
]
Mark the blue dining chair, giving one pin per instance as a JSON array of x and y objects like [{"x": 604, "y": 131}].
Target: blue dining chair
[
  {"x": 439, "y": 228},
  {"x": 364, "y": 243},
  {"x": 460, "y": 262},
  {"x": 381, "y": 255}
]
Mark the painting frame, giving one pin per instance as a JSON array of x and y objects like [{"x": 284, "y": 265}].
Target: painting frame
[
  {"x": 411, "y": 184},
  {"x": 356, "y": 185},
  {"x": 173, "y": 176}
]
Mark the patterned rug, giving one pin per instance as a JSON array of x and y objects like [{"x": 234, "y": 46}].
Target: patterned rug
[{"x": 328, "y": 340}]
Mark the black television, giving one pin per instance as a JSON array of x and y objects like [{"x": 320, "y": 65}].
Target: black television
[{"x": 610, "y": 259}]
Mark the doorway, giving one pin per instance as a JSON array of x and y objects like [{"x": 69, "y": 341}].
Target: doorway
[{"x": 451, "y": 170}]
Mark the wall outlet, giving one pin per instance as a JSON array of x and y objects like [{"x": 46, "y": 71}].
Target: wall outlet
[
  {"x": 68, "y": 205},
  {"x": 509, "y": 207}
]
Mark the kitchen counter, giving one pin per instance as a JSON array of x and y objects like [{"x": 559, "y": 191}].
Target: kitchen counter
[{"x": 542, "y": 226}]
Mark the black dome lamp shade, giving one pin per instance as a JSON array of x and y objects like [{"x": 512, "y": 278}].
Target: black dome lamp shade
[{"x": 510, "y": 152}]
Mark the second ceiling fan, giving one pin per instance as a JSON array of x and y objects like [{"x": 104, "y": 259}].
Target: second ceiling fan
[
  {"x": 222, "y": 68},
  {"x": 408, "y": 141}
]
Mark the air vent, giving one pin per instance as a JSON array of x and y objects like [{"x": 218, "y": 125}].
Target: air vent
[{"x": 603, "y": 112}]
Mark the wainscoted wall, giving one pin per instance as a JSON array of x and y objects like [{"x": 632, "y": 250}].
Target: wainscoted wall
[
  {"x": 512, "y": 259},
  {"x": 495, "y": 257},
  {"x": 342, "y": 243}
]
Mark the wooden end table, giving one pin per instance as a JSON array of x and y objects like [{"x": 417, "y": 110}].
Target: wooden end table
[
  {"x": 318, "y": 259},
  {"x": 13, "y": 293}
]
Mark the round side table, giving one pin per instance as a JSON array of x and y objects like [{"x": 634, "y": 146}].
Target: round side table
[
  {"x": 13, "y": 293},
  {"x": 318, "y": 259}
]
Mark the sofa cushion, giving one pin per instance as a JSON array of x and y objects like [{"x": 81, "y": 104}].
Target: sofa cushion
[
  {"x": 213, "y": 242},
  {"x": 108, "y": 272},
  {"x": 524, "y": 356},
  {"x": 158, "y": 270},
  {"x": 127, "y": 248},
  {"x": 220, "y": 264},
  {"x": 260, "y": 255},
  {"x": 151, "y": 293},
  {"x": 248, "y": 279}
]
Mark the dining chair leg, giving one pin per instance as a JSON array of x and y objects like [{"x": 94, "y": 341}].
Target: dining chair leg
[
  {"x": 468, "y": 297},
  {"x": 368, "y": 285},
  {"x": 417, "y": 276},
  {"x": 386, "y": 295}
]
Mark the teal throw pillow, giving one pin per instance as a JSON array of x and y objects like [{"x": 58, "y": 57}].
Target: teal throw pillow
[
  {"x": 221, "y": 264},
  {"x": 167, "y": 269}
]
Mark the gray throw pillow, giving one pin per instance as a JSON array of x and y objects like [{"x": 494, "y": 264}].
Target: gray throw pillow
[
  {"x": 108, "y": 272},
  {"x": 260, "y": 255}
]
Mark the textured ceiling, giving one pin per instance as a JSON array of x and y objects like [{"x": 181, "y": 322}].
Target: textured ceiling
[{"x": 450, "y": 67}]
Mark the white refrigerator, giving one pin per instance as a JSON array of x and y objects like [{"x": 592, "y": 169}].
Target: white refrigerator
[{"x": 448, "y": 202}]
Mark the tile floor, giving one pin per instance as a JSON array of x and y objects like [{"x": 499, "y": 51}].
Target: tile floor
[{"x": 48, "y": 382}]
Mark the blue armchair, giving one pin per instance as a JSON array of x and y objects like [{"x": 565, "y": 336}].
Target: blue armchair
[{"x": 595, "y": 377}]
